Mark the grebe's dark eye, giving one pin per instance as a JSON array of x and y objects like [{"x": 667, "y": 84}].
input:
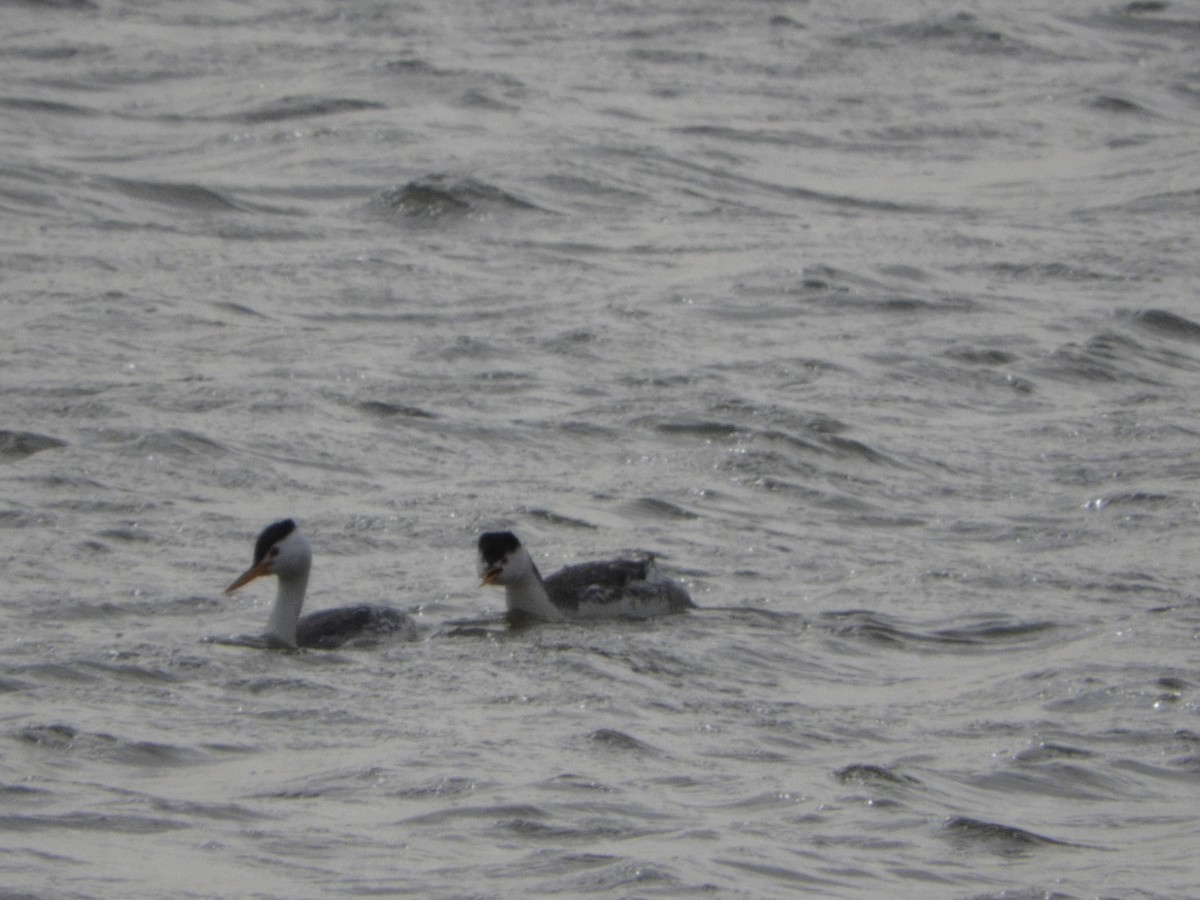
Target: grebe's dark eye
[{"x": 274, "y": 552}]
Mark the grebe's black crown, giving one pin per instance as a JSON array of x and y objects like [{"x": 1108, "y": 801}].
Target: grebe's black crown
[
  {"x": 272, "y": 535},
  {"x": 495, "y": 545}
]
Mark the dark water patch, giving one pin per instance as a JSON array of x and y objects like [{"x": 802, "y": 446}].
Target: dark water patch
[
  {"x": 415, "y": 66},
  {"x": 17, "y": 445},
  {"x": 792, "y": 878},
  {"x": 218, "y": 812},
  {"x": 754, "y": 617},
  {"x": 612, "y": 739},
  {"x": 793, "y": 441},
  {"x": 130, "y": 534},
  {"x": 192, "y": 198},
  {"x": 706, "y": 430},
  {"x": 53, "y": 737},
  {"x": 654, "y": 508},
  {"x": 478, "y": 98},
  {"x": 612, "y": 876},
  {"x": 1106, "y": 358},
  {"x": 772, "y": 800},
  {"x": 1182, "y": 771},
  {"x": 1056, "y": 778},
  {"x": 29, "y": 104},
  {"x": 130, "y": 673},
  {"x": 990, "y": 837},
  {"x": 791, "y": 137},
  {"x": 23, "y": 793},
  {"x": 438, "y": 197},
  {"x": 872, "y": 775},
  {"x": 66, "y": 5},
  {"x": 997, "y": 632},
  {"x": 447, "y": 786},
  {"x": 442, "y": 787},
  {"x": 9, "y": 685},
  {"x": 274, "y": 684},
  {"x": 848, "y": 448},
  {"x": 174, "y": 443},
  {"x": 558, "y": 519},
  {"x": 70, "y": 741},
  {"x": 1147, "y": 17},
  {"x": 302, "y": 107},
  {"x": 980, "y": 356},
  {"x": 1129, "y": 498},
  {"x": 702, "y": 180},
  {"x": 1119, "y": 106},
  {"x": 152, "y": 753},
  {"x": 961, "y": 31},
  {"x": 866, "y": 627},
  {"x": 99, "y": 823},
  {"x": 487, "y": 627},
  {"x": 57, "y": 672},
  {"x": 960, "y": 34},
  {"x": 463, "y": 348},
  {"x": 1051, "y": 752},
  {"x": 805, "y": 441},
  {"x": 1040, "y": 272},
  {"x": 776, "y": 485},
  {"x": 500, "y": 812},
  {"x": 53, "y": 53},
  {"x": 592, "y": 829},
  {"x": 384, "y": 409},
  {"x": 1173, "y": 683},
  {"x": 573, "y": 784},
  {"x": 1166, "y": 323},
  {"x": 590, "y": 191},
  {"x": 1156, "y": 204},
  {"x": 1119, "y": 357},
  {"x": 240, "y": 308}
]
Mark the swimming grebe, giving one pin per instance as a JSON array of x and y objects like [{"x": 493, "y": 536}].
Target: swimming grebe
[
  {"x": 282, "y": 550},
  {"x": 609, "y": 589}
]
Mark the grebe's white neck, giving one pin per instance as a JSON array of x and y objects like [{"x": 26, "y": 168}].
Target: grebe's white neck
[
  {"x": 291, "y": 561},
  {"x": 289, "y": 598},
  {"x": 524, "y": 590},
  {"x": 504, "y": 561},
  {"x": 283, "y": 551}
]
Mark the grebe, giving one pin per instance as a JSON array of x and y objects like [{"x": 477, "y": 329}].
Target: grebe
[
  {"x": 282, "y": 550},
  {"x": 593, "y": 590}
]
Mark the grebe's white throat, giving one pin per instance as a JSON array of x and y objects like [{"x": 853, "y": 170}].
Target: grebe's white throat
[
  {"x": 613, "y": 588},
  {"x": 282, "y": 550}
]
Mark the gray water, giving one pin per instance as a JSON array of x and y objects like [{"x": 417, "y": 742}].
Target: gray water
[{"x": 875, "y": 321}]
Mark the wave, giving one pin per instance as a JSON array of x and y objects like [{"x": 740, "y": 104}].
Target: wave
[
  {"x": 17, "y": 445},
  {"x": 999, "y": 632},
  {"x": 441, "y": 197},
  {"x": 993, "y": 837}
]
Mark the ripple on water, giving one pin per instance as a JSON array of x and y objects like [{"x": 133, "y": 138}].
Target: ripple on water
[
  {"x": 440, "y": 197},
  {"x": 17, "y": 445},
  {"x": 60, "y": 742},
  {"x": 972, "y": 834},
  {"x": 998, "y": 632}
]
